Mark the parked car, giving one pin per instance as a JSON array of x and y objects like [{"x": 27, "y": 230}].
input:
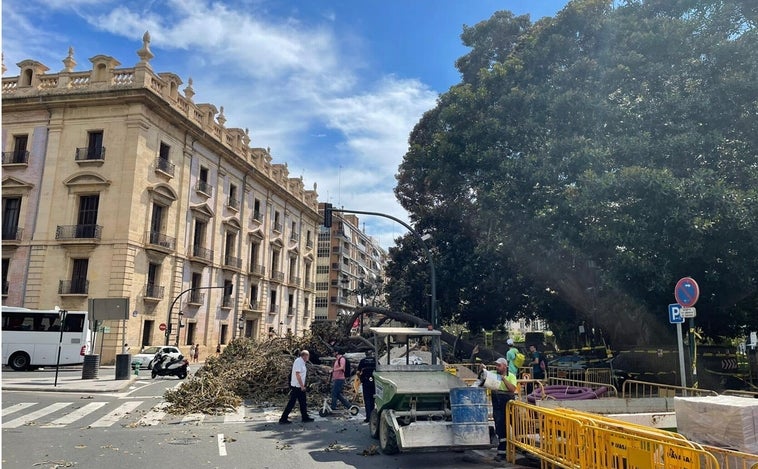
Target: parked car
[{"x": 147, "y": 355}]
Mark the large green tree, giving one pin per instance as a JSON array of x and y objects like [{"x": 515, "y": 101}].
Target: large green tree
[{"x": 587, "y": 162}]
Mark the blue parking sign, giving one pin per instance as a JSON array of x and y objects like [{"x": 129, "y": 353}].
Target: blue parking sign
[{"x": 675, "y": 314}]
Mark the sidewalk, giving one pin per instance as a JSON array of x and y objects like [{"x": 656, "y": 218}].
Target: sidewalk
[{"x": 69, "y": 382}]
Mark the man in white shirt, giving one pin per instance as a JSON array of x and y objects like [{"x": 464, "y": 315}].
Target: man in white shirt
[{"x": 298, "y": 389}]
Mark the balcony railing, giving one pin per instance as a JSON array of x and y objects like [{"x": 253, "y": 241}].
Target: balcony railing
[
  {"x": 196, "y": 298},
  {"x": 154, "y": 291},
  {"x": 164, "y": 165},
  {"x": 257, "y": 215},
  {"x": 202, "y": 253},
  {"x": 273, "y": 309},
  {"x": 90, "y": 154},
  {"x": 294, "y": 236},
  {"x": 309, "y": 243},
  {"x": 233, "y": 203},
  {"x": 204, "y": 187},
  {"x": 159, "y": 239},
  {"x": 295, "y": 280},
  {"x": 277, "y": 227},
  {"x": 310, "y": 285},
  {"x": 306, "y": 313},
  {"x": 277, "y": 276},
  {"x": 291, "y": 310},
  {"x": 73, "y": 287},
  {"x": 16, "y": 157},
  {"x": 258, "y": 269},
  {"x": 227, "y": 301},
  {"x": 11, "y": 233},
  {"x": 253, "y": 306},
  {"x": 231, "y": 261},
  {"x": 64, "y": 232}
]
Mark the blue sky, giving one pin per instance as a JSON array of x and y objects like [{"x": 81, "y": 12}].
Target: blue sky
[{"x": 333, "y": 88}]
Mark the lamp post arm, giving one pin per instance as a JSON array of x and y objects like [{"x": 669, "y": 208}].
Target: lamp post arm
[
  {"x": 171, "y": 309},
  {"x": 433, "y": 280}
]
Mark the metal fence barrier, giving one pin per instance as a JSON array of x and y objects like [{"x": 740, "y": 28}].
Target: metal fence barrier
[
  {"x": 633, "y": 388},
  {"x": 570, "y": 439}
]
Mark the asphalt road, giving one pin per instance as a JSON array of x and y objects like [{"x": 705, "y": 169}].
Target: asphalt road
[{"x": 130, "y": 430}]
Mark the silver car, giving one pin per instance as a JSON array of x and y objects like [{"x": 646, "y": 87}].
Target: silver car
[{"x": 147, "y": 355}]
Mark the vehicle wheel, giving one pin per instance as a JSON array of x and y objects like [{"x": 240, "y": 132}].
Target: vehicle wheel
[
  {"x": 373, "y": 424},
  {"x": 150, "y": 365},
  {"x": 387, "y": 437},
  {"x": 322, "y": 412},
  {"x": 153, "y": 374},
  {"x": 182, "y": 374},
  {"x": 354, "y": 409},
  {"x": 19, "y": 361}
]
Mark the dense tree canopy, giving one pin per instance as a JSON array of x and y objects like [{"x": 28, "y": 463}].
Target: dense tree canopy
[{"x": 587, "y": 162}]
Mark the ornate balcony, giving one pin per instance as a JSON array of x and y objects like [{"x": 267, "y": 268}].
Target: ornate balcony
[
  {"x": 196, "y": 298},
  {"x": 153, "y": 291},
  {"x": 77, "y": 232},
  {"x": 165, "y": 166},
  {"x": 277, "y": 276},
  {"x": 16, "y": 157},
  {"x": 231, "y": 261},
  {"x": 90, "y": 154},
  {"x": 73, "y": 287},
  {"x": 155, "y": 238},
  {"x": 202, "y": 254},
  {"x": 257, "y": 269},
  {"x": 204, "y": 188}
]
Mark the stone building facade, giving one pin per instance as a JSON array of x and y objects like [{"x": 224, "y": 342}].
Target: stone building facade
[{"x": 116, "y": 184}]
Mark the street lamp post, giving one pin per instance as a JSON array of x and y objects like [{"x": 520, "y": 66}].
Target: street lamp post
[
  {"x": 328, "y": 209},
  {"x": 171, "y": 308}
]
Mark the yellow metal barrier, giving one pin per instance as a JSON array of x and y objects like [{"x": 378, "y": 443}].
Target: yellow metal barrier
[
  {"x": 634, "y": 388},
  {"x": 571, "y": 439},
  {"x": 729, "y": 459},
  {"x": 553, "y": 437}
]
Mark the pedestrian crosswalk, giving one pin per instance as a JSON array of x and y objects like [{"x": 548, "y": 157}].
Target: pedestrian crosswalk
[{"x": 136, "y": 413}]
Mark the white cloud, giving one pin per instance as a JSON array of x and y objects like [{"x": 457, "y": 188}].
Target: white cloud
[{"x": 281, "y": 78}]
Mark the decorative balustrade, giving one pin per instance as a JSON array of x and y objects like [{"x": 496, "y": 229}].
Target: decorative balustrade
[
  {"x": 16, "y": 157},
  {"x": 64, "y": 232},
  {"x": 73, "y": 287},
  {"x": 159, "y": 239}
]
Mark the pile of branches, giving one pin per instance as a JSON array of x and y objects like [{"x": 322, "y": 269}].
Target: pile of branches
[{"x": 257, "y": 372}]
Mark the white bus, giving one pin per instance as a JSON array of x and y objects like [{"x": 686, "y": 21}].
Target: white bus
[{"x": 31, "y": 338}]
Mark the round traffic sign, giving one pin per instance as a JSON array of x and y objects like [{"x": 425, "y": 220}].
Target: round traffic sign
[
  {"x": 686, "y": 292},
  {"x": 162, "y": 326}
]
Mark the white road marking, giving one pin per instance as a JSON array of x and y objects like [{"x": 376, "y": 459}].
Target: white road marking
[
  {"x": 31, "y": 417},
  {"x": 155, "y": 415},
  {"x": 75, "y": 415},
  {"x": 116, "y": 415},
  {"x": 16, "y": 407},
  {"x": 221, "y": 445}
]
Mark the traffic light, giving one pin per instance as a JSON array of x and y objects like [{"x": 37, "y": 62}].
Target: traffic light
[{"x": 328, "y": 215}]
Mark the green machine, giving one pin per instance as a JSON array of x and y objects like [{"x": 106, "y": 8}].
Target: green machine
[{"x": 418, "y": 405}]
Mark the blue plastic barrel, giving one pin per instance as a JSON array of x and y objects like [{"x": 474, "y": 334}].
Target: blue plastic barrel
[{"x": 469, "y": 411}]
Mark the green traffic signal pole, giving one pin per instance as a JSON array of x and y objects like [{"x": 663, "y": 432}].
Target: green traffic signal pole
[
  {"x": 433, "y": 311},
  {"x": 171, "y": 309}
]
